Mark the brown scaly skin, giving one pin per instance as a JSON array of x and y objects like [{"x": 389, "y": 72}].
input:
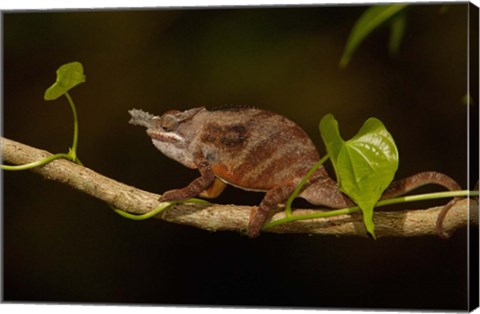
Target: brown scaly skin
[{"x": 257, "y": 150}]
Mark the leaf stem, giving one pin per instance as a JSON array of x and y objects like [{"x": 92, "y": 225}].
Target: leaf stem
[
  {"x": 349, "y": 210},
  {"x": 288, "y": 205},
  {"x": 73, "y": 149},
  {"x": 71, "y": 155}
]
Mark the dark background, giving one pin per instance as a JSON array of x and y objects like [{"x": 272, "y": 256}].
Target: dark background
[{"x": 63, "y": 246}]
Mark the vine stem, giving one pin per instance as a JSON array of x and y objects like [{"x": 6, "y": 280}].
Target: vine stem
[
  {"x": 71, "y": 155},
  {"x": 350, "y": 210},
  {"x": 288, "y": 205},
  {"x": 73, "y": 149},
  {"x": 215, "y": 217},
  {"x": 34, "y": 164},
  {"x": 161, "y": 207}
]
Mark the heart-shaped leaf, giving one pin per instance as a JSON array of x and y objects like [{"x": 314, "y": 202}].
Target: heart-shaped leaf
[
  {"x": 365, "y": 165},
  {"x": 68, "y": 76}
]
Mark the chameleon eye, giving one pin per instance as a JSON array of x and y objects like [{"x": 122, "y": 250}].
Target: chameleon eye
[{"x": 169, "y": 122}]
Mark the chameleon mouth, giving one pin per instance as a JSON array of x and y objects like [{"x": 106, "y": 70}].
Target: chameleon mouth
[{"x": 168, "y": 137}]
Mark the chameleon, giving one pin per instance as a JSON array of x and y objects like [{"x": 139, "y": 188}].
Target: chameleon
[{"x": 256, "y": 150}]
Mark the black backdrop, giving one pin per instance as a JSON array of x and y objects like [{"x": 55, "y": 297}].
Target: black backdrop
[{"x": 63, "y": 246}]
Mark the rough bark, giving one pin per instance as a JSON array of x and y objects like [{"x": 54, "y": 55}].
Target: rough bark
[{"x": 215, "y": 217}]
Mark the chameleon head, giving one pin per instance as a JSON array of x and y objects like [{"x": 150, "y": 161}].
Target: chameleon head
[{"x": 171, "y": 133}]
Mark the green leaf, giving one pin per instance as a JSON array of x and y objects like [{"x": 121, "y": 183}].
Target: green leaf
[
  {"x": 365, "y": 165},
  {"x": 371, "y": 19},
  {"x": 332, "y": 139},
  {"x": 68, "y": 76},
  {"x": 331, "y": 136},
  {"x": 397, "y": 31}
]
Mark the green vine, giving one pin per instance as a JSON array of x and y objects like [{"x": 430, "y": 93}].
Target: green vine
[
  {"x": 288, "y": 205},
  {"x": 68, "y": 76},
  {"x": 364, "y": 165},
  {"x": 355, "y": 209},
  {"x": 163, "y": 206}
]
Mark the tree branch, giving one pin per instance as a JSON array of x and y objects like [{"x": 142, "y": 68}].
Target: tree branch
[{"x": 406, "y": 223}]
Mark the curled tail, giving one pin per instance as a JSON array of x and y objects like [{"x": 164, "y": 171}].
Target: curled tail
[
  {"x": 324, "y": 191},
  {"x": 403, "y": 186}
]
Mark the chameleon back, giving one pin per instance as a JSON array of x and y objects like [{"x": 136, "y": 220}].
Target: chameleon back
[{"x": 254, "y": 149}]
